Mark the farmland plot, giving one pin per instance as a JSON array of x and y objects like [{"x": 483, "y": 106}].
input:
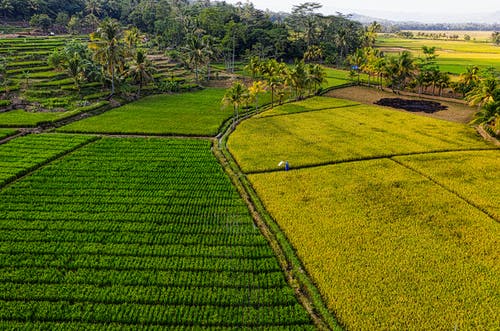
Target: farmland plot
[
  {"x": 193, "y": 113},
  {"x": 21, "y": 155},
  {"x": 131, "y": 233},
  {"x": 388, "y": 248},
  {"x": 345, "y": 132}
]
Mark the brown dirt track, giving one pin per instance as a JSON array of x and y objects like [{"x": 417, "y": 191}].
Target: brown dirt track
[{"x": 456, "y": 110}]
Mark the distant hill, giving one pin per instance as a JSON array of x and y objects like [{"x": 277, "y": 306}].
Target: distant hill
[{"x": 486, "y": 22}]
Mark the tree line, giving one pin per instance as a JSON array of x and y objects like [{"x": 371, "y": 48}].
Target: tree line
[
  {"x": 279, "y": 79},
  {"x": 480, "y": 87},
  {"x": 233, "y": 31}
]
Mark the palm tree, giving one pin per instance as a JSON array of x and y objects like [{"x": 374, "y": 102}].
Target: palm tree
[
  {"x": 298, "y": 78},
  {"x": 313, "y": 53},
  {"x": 6, "y": 8},
  {"x": 212, "y": 52},
  {"x": 443, "y": 82},
  {"x": 141, "y": 70},
  {"x": 317, "y": 76},
  {"x": 469, "y": 79},
  {"x": 399, "y": 69},
  {"x": 357, "y": 60},
  {"x": 253, "y": 66},
  {"x": 235, "y": 96},
  {"x": 74, "y": 67},
  {"x": 272, "y": 73},
  {"x": 484, "y": 93},
  {"x": 196, "y": 54},
  {"x": 488, "y": 113},
  {"x": 132, "y": 38},
  {"x": 108, "y": 48},
  {"x": 93, "y": 9},
  {"x": 257, "y": 88}
]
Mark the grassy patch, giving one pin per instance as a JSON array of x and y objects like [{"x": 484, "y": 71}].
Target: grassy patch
[
  {"x": 388, "y": 248},
  {"x": 311, "y": 104},
  {"x": 19, "y": 117},
  {"x": 342, "y": 134},
  {"x": 194, "y": 113},
  {"x": 473, "y": 175},
  {"x": 22, "y": 118},
  {"x": 6, "y": 132}
]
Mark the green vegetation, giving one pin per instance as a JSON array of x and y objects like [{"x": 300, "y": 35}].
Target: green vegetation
[
  {"x": 85, "y": 242},
  {"x": 387, "y": 247},
  {"x": 473, "y": 175},
  {"x": 342, "y": 134},
  {"x": 21, "y": 155},
  {"x": 23, "y": 118},
  {"x": 194, "y": 113},
  {"x": 6, "y": 132}
]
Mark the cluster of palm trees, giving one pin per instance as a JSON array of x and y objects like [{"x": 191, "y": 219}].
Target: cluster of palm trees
[
  {"x": 484, "y": 92},
  {"x": 400, "y": 71},
  {"x": 112, "y": 57},
  {"x": 119, "y": 56},
  {"x": 403, "y": 71},
  {"x": 295, "y": 81},
  {"x": 281, "y": 80}
]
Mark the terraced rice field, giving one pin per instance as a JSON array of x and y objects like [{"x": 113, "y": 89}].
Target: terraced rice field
[
  {"x": 38, "y": 94},
  {"x": 134, "y": 233}
]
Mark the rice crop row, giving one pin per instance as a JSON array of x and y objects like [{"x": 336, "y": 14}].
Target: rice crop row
[
  {"x": 137, "y": 232},
  {"x": 21, "y": 155},
  {"x": 388, "y": 248}
]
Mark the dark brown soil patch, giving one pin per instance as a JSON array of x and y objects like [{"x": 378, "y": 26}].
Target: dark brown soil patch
[{"x": 425, "y": 106}]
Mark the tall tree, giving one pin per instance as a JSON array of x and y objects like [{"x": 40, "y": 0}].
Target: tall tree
[
  {"x": 304, "y": 20},
  {"x": 141, "y": 70},
  {"x": 317, "y": 76},
  {"x": 486, "y": 92},
  {"x": 108, "y": 48},
  {"x": 258, "y": 87},
  {"x": 235, "y": 96}
]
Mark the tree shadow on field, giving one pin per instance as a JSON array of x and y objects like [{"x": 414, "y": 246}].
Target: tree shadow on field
[{"x": 425, "y": 106}]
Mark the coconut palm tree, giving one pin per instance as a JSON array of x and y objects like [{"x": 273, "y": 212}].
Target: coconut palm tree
[
  {"x": 317, "y": 76},
  {"x": 257, "y": 88},
  {"x": 357, "y": 60},
  {"x": 196, "y": 54},
  {"x": 298, "y": 78},
  {"x": 132, "y": 38},
  {"x": 399, "y": 69},
  {"x": 253, "y": 66},
  {"x": 141, "y": 71},
  {"x": 273, "y": 74},
  {"x": 75, "y": 68},
  {"x": 108, "y": 48},
  {"x": 235, "y": 96},
  {"x": 484, "y": 93},
  {"x": 489, "y": 118},
  {"x": 469, "y": 79}
]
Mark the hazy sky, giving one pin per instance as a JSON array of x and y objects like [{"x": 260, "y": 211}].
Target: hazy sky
[{"x": 391, "y": 9}]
